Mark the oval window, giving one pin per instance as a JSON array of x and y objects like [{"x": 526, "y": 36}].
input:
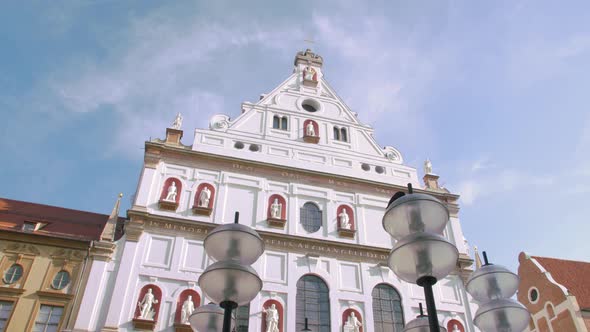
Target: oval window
[
  {"x": 13, "y": 274},
  {"x": 310, "y": 105},
  {"x": 61, "y": 280}
]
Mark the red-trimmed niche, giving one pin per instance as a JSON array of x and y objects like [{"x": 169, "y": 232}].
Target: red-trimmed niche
[
  {"x": 310, "y": 70},
  {"x": 280, "y": 310},
  {"x": 316, "y": 127},
  {"x": 198, "y": 196},
  {"x": 181, "y": 298},
  {"x": 348, "y": 210},
  {"x": 281, "y": 201},
  {"x": 451, "y": 325},
  {"x": 347, "y": 312},
  {"x": 156, "y": 306},
  {"x": 167, "y": 185}
]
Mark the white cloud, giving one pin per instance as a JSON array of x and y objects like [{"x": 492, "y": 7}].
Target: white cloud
[{"x": 162, "y": 67}]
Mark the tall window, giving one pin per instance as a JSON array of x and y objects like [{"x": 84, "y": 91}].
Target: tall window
[
  {"x": 48, "y": 318},
  {"x": 340, "y": 134},
  {"x": 343, "y": 135},
  {"x": 5, "y": 310},
  {"x": 242, "y": 318},
  {"x": 284, "y": 123},
  {"x": 311, "y": 217},
  {"x": 313, "y": 303},
  {"x": 387, "y": 309}
]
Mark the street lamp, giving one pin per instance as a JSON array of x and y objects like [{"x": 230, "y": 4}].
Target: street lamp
[
  {"x": 493, "y": 285},
  {"x": 207, "y": 318},
  {"x": 420, "y": 324},
  {"x": 230, "y": 281},
  {"x": 421, "y": 255}
]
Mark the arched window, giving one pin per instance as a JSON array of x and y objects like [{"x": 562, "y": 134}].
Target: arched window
[
  {"x": 336, "y": 133},
  {"x": 313, "y": 303},
  {"x": 242, "y": 318},
  {"x": 284, "y": 123},
  {"x": 343, "y": 135},
  {"x": 550, "y": 310},
  {"x": 276, "y": 122},
  {"x": 311, "y": 217},
  {"x": 387, "y": 309}
]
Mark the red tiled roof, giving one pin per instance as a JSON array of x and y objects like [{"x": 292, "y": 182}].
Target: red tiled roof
[
  {"x": 573, "y": 275},
  {"x": 60, "y": 222}
]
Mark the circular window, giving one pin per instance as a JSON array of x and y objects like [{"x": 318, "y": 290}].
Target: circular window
[
  {"x": 380, "y": 169},
  {"x": 533, "y": 295},
  {"x": 13, "y": 274},
  {"x": 366, "y": 167},
  {"x": 310, "y": 105},
  {"x": 254, "y": 147},
  {"x": 61, "y": 280},
  {"x": 239, "y": 145}
]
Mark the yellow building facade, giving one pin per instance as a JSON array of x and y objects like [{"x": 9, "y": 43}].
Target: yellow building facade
[{"x": 45, "y": 258}]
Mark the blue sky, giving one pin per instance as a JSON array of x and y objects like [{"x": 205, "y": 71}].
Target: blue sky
[{"x": 495, "y": 94}]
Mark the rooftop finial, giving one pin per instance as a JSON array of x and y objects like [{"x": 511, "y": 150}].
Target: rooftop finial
[
  {"x": 428, "y": 166},
  {"x": 478, "y": 263},
  {"x": 108, "y": 232}
]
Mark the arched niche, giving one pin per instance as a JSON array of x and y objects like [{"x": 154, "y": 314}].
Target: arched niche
[
  {"x": 347, "y": 313},
  {"x": 155, "y": 306},
  {"x": 454, "y": 322},
  {"x": 280, "y": 310},
  {"x": 273, "y": 221},
  {"x": 183, "y": 297},
  {"x": 344, "y": 232},
  {"x": 166, "y": 202},
  {"x": 306, "y": 135},
  {"x": 200, "y": 206}
]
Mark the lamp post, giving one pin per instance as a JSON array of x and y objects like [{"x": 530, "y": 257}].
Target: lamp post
[
  {"x": 231, "y": 281},
  {"x": 420, "y": 324},
  {"x": 493, "y": 285},
  {"x": 306, "y": 328},
  {"x": 207, "y": 318},
  {"x": 421, "y": 255}
]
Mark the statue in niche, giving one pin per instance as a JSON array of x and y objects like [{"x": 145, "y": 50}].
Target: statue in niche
[
  {"x": 146, "y": 310},
  {"x": 177, "y": 121},
  {"x": 352, "y": 324},
  {"x": 310, "y": 129},
  {"x": 308, "y": 74},
  {"x": 456, "y": 328},
  {"x": 204, "y": 197},
  {"x": 272, "y": 318},
  {"x": 427, "y": 167},
  {"x": 188, "y": 307},
  {"x": 344, "y": 220},
  {"x": 276, "y": 209},
  {"x": 171, "y": 196}
]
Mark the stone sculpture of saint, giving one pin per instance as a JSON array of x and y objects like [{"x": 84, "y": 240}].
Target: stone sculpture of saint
[
  {"x": 275, "y": 209},
  {"x": 427, "y": 167},
  {"x": 204, "y": 197},
  {"x": 146, "y": 310},
  {"x": 177, "y": 121},
  {"x": 310, "y": 129},
  {"x": 456, "y": 328},
  {"x": 171, "y": 196},
  {"x": 344, "y": 220},
  {"x": 309, "y": 72},
  {"x": 272, "y": 318},
  {"x": 188, "y": 307},
  {"x": 352, "y": 323}
]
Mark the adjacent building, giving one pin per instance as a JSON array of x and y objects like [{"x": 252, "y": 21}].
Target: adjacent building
[
  {"x": 556, "y": 292},
  {"x": 301, "y": 169},
  {"x": 45, "y": 255}
]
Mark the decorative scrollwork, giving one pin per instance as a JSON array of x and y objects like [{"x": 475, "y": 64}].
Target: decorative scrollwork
[{"x": 219, "y": 122}]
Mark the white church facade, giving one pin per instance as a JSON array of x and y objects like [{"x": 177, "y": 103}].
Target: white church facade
[{"x": 302, "y": 170}]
